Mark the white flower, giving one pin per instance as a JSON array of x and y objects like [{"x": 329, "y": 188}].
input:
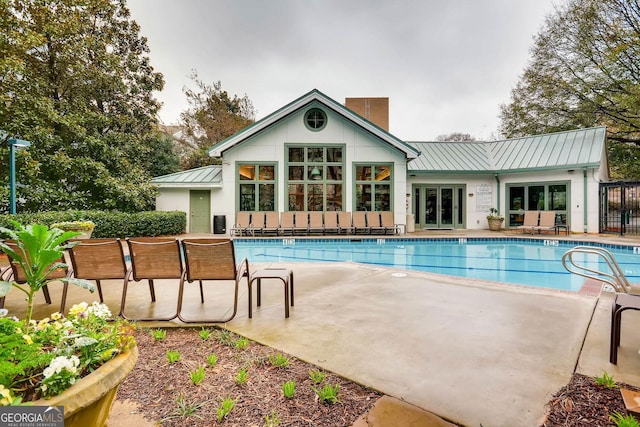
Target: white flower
[
  {"x": 61, "y": 362},
  {"x": 99, "y": 310},
  {"x": 84, "y": 341}
]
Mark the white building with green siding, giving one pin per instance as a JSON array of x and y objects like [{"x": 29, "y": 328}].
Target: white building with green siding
[{"x": 314, "y": 154}]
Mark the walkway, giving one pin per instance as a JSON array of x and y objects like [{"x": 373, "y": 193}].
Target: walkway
[{"x": 472, "y": 352}]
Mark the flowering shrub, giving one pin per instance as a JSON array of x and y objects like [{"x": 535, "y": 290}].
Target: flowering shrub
[{"x": 42, "y": 359}]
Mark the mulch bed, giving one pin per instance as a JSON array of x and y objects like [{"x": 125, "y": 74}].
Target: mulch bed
[
  {"x": 164, "y": 391},
  {"x": 583, "y": 403}
]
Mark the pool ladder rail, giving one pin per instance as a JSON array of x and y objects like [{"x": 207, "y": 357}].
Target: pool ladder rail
[{"x": 615, "y": 278}]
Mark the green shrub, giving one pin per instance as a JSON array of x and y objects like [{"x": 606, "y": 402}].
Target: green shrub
[{"x": 111, "y": 224}]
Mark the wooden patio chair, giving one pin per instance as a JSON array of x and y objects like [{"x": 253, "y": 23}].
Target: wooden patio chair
[
  {"x": 287, "y": 223},
  {"x": 302, "y": 222},
  {"x": 387, "y": 222},
  {"x": 152, "y": 258},
  {"x": 316, "y": 223},
  {"x": 243, "y": 224},
  {"x": 211, "y": 260},
  {"x": 271, "y": 223},
  {"x": 359, "y": 219},
  {"x": 345, "y": 222},
  {"x": 14, "y": 272},
  {"x": 530, "y": 221},
  {"x": 97, "y": 260},
  {"x": 547, "y": 221},
  {"x": 331, "y": 222},
  {"x": 374, "y": 224},
  {"x": 257, "y": 222}
]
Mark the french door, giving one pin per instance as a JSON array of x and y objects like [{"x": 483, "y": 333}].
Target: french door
[{"x": 439, "y": 206}]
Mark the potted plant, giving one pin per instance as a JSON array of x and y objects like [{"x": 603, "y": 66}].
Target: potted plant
[
  {"x": 76, "y": 362},
  {"x": 84, "y": 228},
  {"x": 494, "y": 219}
]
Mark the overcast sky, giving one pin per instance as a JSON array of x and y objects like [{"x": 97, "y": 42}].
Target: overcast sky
[{"x": 446, "y": 65}]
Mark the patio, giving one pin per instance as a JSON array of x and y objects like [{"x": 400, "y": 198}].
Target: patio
[{"x": 470, "y": 351}]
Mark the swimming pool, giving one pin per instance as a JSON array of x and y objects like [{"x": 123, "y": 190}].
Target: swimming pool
[{"x": 531, "y": 262}]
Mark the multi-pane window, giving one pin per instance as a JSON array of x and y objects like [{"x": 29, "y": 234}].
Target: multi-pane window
[
  {"x": 536, "y": 197},
  {"x": 315, "y": 178},
  {"x": 373, "y": 187},
  {"x": 257, "y": 187}
]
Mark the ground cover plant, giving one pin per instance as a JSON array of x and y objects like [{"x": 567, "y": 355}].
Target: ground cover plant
[
  {"x": 223, "y": 379},
  {"x": 285, "y": 396}
]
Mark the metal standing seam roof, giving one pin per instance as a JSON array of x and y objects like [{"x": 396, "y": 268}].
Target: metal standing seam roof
[
  {"x": 205, "y": 177},
  {"x": 561, "y": 150}
]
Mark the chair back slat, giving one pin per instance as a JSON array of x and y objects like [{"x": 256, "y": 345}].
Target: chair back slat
[
  {"x": 98, "y": 259},
  {"x": 209, "y": 259},
  {"x": 373, "y": 219},
  {"x": 331, "y": 219},
  {"x": 386, "y": 219},
  {"x": 243, "y": 219},
  {"x": 359, "y": 219},
  {"x": 155, "y": 258},
  {"x": 315, "y": 219}
]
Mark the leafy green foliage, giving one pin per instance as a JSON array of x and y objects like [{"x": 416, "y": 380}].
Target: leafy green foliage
[
  {"x": 606, "y": 380},
  {"x": 583, "y": 72},
  {"x": 278, "y": 360},
  {"x": 225, "y": 408},
  {"x": 226, "y": 337},
  {"x": 212, "y": 359},
  {"x": 204, "y": 334},
  {"x": 173, "y": 356},
  {"x": 78, "y": 84},
  {"x": 272, "y": 419},
  {"x": 317, "y": 376},
  {"x": 289, "y": 389},
  {"x": 37, "y": 251},
  {"x": 328, "y": 393},
  {"x": 623, "y": 420},
  {"x": 241, "y": 343},
  {"x": 185, "y": 408},
  {"x": 111, "y": 224},
  {"x": 197, "y": 376},
  {"x": 242, "y": 376},
  {"x": 158, "y": 334},
  {"x": 213, "y": 115}
]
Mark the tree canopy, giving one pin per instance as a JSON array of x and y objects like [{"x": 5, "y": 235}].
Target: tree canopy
[
  {"x": 584, "y": 71},
  {"x": 76, "y": 81},
  {"x": 213, "y": 115},
  {"x": 456, "y": 137}
]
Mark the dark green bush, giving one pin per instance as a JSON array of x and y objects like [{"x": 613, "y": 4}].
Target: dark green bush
[{"x": 111, "y": 224}]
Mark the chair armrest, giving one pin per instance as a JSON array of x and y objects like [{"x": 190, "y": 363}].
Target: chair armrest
[{"x": 243, "y": 270}]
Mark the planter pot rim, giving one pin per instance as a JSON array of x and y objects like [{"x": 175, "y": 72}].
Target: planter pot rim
[{"x": 91, "y": 388}]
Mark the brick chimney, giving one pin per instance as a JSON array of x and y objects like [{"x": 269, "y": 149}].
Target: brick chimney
[{"x": 376, "y": 110}]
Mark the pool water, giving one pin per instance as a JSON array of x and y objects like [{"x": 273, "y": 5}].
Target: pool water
[{"x": 519, "y": 261}]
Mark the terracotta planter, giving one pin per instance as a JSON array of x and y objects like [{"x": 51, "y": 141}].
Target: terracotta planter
[
  {"x": 495, "y": 223},
  {"x": 88, "y": 401}
]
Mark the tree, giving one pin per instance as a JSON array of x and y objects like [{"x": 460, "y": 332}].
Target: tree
[
  {"x": 212, "y": 116},
  {"x": 76, "y": 82},
  {"x": 455, "y": 136},
  {"x": 584, "y": 72}
]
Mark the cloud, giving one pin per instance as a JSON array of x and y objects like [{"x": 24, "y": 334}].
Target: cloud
[{"x": 446, "y": 66}]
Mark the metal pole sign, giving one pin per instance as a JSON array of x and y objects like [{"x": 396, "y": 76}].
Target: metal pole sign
[{"x": 13, "y": 145}]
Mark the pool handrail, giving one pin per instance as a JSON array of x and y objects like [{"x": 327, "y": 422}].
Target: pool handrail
[{"x": 616, "y": 278}]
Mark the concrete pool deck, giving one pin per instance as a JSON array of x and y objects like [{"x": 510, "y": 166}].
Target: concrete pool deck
[{"x": 470, "y": 351}]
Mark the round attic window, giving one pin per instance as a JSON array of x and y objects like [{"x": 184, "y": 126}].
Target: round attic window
[{"x": 315, "y": 119}]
